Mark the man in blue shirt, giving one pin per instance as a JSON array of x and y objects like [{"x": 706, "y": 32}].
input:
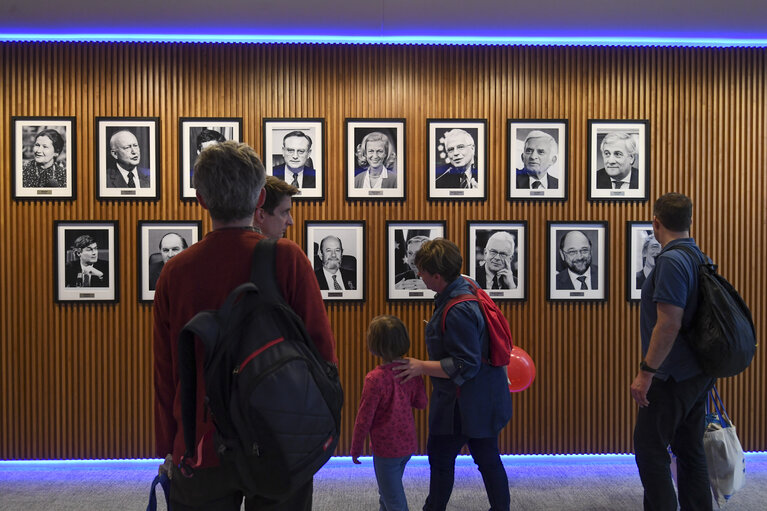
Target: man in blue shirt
[{"x": 670, "y": 387}]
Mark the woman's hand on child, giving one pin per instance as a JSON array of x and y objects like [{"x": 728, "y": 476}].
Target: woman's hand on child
[{"x": 407, "y": 368}]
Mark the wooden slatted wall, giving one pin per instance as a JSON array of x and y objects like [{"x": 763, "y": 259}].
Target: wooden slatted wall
[{"x": 76, "y": 380}]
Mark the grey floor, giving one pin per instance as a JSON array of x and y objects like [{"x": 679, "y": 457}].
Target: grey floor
[{"x": 594, "y": 482}]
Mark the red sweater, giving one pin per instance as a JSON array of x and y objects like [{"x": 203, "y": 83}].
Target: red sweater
[
  {"x": 200, "y": 278},
  {"x": 386, "y": 412}
]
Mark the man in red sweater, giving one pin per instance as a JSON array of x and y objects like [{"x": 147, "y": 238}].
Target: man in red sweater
[{"x": 229, "y": 178}]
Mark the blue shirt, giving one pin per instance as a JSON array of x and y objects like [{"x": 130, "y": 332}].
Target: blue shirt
[
  {"x": 476, "y": 391},
  {"x": 674, "y": 281}
]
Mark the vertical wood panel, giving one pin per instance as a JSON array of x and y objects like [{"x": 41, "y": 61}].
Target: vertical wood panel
[{"x": 76, "y": 379}]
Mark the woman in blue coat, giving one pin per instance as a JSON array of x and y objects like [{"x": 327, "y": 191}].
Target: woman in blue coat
[{"x": 470, "y": 401}]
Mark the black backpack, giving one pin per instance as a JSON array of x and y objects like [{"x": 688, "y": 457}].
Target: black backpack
[
  {"x": 276, "y": 404},
  {"x": 722, "y": 333}
]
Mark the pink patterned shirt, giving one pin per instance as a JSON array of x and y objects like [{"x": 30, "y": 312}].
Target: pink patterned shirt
[{"x": 385, "y": 412}]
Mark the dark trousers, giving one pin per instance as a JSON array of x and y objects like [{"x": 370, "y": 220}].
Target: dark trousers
[
  {"x": 442, "y": 451},
  {"x": 675, "y": 417},
  {"x": 215, "y": 489}
]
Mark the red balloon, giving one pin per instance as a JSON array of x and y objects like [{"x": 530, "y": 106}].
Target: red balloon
[{"x": 520, "y": 371}]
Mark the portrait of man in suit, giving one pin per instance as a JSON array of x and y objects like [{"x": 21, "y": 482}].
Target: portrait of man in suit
[
  {"x": 86, "y": 270},
  {"x": 123, "y": 170},
  {"x": 650, "y": 250},
  {"x": 579, "y": 273},
  {"x": 619, "y": 155},
  {"x": 538, "y": 155},
  {"x": 497, "y": 272},
  {"x": 170, "y": 246},
  {"x": 461, "y": 170},
  {"x": 331, "y": 275},
  {"x": 296, "y": 150}
]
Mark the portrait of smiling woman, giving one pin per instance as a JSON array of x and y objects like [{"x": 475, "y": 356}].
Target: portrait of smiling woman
[
  {"x": 45, "y": 170},
  {"x": 376, "y": 156}
]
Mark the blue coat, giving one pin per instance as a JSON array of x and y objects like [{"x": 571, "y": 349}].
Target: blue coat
[{"x": 479, "y": 390}]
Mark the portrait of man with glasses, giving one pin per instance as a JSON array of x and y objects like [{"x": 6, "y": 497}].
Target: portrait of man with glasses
[
  {"x": 576, "y": 251},
  {"x": 498, "y": 270}
]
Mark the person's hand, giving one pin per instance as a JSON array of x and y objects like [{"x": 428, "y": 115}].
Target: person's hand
[
  {"x": 356, "y": 460},
  {"x": 166, "y": 467},
  {"x": 640, "y": 386},
  {"x": 473, "y": 183},
  {"x": 90, "y": 270},
  {"x": 407, "y": 368},
  {"x": 411, "y": 284},
  {"x": 505, "y": 278}
]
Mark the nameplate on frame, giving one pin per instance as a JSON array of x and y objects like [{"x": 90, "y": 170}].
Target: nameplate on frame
[
  {"x": 577, "y": 293},
  {"x": 335, "y": 294},
  {"x": 127, "y": 192},
  {"x": 459, "y": 193},
  {"x": 44, "y": 192},
  {"x": 87, "y": 295},
  {"x": 415, "y": 293}
]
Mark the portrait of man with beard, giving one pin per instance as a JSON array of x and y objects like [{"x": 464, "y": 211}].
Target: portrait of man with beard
[
  {"x": 576, "y": 252},
  {"x": 331, "y": 276}
]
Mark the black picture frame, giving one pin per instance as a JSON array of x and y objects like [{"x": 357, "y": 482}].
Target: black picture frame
[
  {"x": 72, "y": 239},
  {"x": 351, "y": 235},
  {"x": 443, "y": 181},
  {"x": 641, "y": 248},
  {"x": 625, "y": 136},
  {"x": 151, "y": 253},
  {"x": 389, "y": 135},
  {"x": 559, "y": 284},
  {"x": 312, "y": 139},
  {"x": 142, "y": 132},
  {"x": 29, "y": 181},
  {"x": 194, "y": 134},
  {"x": 538, "y": 159},
  {"x": 402, "y": 281},
  {"x": 512, "y": 234}
]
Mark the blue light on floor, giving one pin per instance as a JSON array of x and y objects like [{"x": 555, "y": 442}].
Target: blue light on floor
[{"x": 713, "y": 42}]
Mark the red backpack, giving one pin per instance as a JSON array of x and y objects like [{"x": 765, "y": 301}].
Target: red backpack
[{"x": 498, "y": 329}]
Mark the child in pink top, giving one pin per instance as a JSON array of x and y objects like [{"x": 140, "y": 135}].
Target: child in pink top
[{"x": 385, "y": 412}]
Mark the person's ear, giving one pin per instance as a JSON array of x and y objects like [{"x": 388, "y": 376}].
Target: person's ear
[
  {"x": 201, "y": 200},
  {"x": 261, "y": 198},
  {"x": 553, "y": 159}
]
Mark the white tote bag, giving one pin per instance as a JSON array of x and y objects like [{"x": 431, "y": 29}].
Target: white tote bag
[{"x": 724, "y": 454}]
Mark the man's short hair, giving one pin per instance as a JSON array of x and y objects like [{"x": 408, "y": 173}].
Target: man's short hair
[
  {"x": 387, "y": 337},
  {"x": 502, "y": 236},
  {"x": 183, "y": 241},
  {"x": 674, "y": 211},
  {"x": 81, "y": 242},
  {"x": 553, "y": 145},
  {"x": 631, "y": 146},
  {"x": 297, "y": 133},
  {"x": 276, "y": 190},
  {"x": 54, "y": 136},
  {"x": 459, "y": 132},
  {"x": 229, "y": 177},
  {"x": 562, "y": 239},
  {"x": 207, "y": 135},
  {"x": 440, "y": 256}
]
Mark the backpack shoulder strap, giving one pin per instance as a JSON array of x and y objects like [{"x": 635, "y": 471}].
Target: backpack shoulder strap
[
  {"x": 453, "y": 301},
  {"x": 263, "y": 270}
]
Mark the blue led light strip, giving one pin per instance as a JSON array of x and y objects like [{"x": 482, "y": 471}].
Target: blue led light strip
[{"x": 695, "y": 42}]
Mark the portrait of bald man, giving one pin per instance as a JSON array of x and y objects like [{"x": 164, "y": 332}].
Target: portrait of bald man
[
  {"x": 171, "y": 244},
  {"x": 124, "y": 168}
]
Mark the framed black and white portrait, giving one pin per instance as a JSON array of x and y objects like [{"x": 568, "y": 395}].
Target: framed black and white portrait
[
  {"x": 619, "y": 156},
  {"x": 403, "y": 240},
  {"x": 538, "y": 159},
  {"x": 43, "y": 158},
  {"x": 194, "y": 135},
  {"x": 85, "y": 261},
  {"x": 577, "y": 261},
  {"x": 496, "y": 257},
  {"x": 158, "y": 242},
  {"x": 457, "y": 159},
  {"x": 337, "y": 252},
  {"x": 375, "y": 159},
  {"x": 641, "y": 250},
  {"x": 127, "y": 158},
  {"x": 294, "y": 151}
]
